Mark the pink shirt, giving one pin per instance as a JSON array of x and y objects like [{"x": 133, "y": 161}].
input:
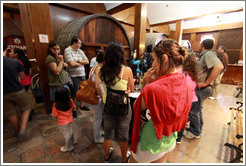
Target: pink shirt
[
  {"x": 27, "y": 79},
  {"x": 192, "y": 83}
]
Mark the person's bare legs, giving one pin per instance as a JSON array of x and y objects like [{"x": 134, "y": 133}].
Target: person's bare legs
[
  {"x": 81, "y": 104},
  {"x": 132, "y": 160},
  {"x": 14, "y": 122},
  {"x": 106, "y": 146},
  {"x": 123, "y": 148},
  {"x": 24, "y": 120},
  {"x": 161, "y": 160}
]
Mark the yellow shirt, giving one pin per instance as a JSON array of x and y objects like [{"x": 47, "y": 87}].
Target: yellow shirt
[{"x": 120, "y": 85}]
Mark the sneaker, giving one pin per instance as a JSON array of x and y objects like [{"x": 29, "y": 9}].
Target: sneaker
[
  {"x": 100, "y": 141},
  {"x": 190, "y": 135},
  {"x": 187, "y": 124},
  {"x": 128, "y": 155},
  {"x": 63, "y": 149},
  {"x": 212, "y": 98},
  {"x": 85, "y": 108},
  {"x": 178, "y": 142},
  {"x": 111, "y": 151}
]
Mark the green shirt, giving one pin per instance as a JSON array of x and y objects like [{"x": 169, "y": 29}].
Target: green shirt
[
  {"x": 56, "y": 80},
  {"x": 149, "y": 141}
]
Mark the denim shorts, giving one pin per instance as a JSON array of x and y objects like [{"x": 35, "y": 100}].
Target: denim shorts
[{"x": 117, "y": 124}]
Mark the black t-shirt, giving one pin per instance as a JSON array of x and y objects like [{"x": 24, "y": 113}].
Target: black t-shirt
[{"x": 11, "y": 68}]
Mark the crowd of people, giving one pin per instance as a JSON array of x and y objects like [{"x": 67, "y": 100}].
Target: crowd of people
[{"x": 168, "y": 107}]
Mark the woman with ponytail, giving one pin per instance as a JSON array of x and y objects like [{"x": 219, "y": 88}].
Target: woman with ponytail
[{"x": 166, "y": 96}]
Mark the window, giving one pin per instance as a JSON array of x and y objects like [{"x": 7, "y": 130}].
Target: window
[{"x": 204, "y": 37}]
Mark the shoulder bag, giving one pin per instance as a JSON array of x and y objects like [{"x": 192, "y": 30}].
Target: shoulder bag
[{"x": 87, "y": 92}]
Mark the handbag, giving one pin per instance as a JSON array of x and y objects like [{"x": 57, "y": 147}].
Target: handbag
[
  {"x": 87, "y": 92},
  {"x": 117, "y": 103},
  {"x": 36, "y": 90}
]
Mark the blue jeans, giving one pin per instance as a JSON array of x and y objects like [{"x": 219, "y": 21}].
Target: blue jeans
[
  {"x": 76, "y": 84},
  {"x": 53, "y": 91},
  {"x": 180, "y": 134},
  {"x": 195, "y": 116}
]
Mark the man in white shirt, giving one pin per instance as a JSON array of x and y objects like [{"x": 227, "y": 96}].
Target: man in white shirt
[
  {"x": 93, "y": 62},
  {"x": 76, "y": 60}
]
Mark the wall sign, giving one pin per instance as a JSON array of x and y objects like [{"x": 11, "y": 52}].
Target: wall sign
[
  {"x": 43, "y": 38},
  {"x": 15, "y": 41}
]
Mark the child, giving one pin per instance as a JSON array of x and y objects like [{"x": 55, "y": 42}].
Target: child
[
  {"x": 189, "y": 70},
  {"x": 62, "y": 109}
]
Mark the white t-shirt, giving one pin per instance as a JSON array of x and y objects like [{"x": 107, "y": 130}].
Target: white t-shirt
[
  {"x": 93, "y": 62},
  {"x": 73, "y": 55}
]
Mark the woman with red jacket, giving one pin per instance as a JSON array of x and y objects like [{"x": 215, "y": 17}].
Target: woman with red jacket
[{"x": 167, "y": 97}]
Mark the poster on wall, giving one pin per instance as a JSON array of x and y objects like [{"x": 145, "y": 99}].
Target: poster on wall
[{"x": 15, "y": 41}]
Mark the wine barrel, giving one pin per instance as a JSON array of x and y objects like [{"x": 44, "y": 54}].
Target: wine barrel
[
  {"x": 95, "y": 31},
  {"x": 150, "y": 38}
]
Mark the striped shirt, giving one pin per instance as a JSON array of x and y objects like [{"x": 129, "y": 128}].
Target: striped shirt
[{"x": 73, "y": 55}]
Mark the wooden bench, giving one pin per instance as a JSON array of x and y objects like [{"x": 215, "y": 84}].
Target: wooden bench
[{"x": 236, "y": 133}]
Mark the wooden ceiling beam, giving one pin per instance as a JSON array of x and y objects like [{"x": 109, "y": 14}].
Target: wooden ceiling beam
[
  {"x": 190, "y": 18},
  {"x": 234, "y": 25},
  {"x": 120, "y": 8}
]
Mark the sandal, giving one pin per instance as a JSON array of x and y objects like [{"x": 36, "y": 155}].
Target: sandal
[
  {"x": 128, "y": 155},
  {"x": 111, "y": 150}
]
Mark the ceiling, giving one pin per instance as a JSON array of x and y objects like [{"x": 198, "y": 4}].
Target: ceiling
[{"x": 169, "y": 11}]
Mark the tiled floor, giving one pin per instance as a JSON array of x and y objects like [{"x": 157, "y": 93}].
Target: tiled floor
[{"x": 45, "y": 140}]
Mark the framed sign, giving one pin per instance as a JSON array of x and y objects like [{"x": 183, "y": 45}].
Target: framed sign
[
  {"x": 15, "y": 41},
  {"x": 43, "y": 38}
]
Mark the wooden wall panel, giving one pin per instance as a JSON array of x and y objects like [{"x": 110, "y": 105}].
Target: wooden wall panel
[
  {"x": 233, "y": 56},
  {"x": 127, "y": 15},
  {"x": 161, "y": 29},
  {"x": 186, "y": 36},
  {"x": 231, "y": 38},
  {"x": 87, "y": 7},
  {"x": 6, "y": 14},
  {"x": 12, "y": 27},
  {"x": 241, "y": 53},
  {"x": 233, "y": 74},
  {"x": 60, "y": 16},
  {"x": 36, "y": 20}
]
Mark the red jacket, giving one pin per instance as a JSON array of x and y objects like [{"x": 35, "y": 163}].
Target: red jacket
[{"x": 169, "y": 101}]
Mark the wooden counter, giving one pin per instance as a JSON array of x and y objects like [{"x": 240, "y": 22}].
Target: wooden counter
[{"x": 233, "y": 74}]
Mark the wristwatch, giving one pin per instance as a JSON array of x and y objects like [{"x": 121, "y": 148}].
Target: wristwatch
[{"x": 78, "y": 61}]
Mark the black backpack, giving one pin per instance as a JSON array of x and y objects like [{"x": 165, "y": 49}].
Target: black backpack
[{"x": 145, "y": 62}]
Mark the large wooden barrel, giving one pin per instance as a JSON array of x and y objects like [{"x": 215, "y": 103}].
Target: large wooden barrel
[
  {"x": 95, "y": 31},
  {"x": 150, "y": 38}
]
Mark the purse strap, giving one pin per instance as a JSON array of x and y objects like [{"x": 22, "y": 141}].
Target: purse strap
[{"x": 92, "y": 71}]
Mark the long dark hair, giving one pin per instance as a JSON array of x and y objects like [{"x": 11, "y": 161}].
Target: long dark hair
[
  {"x": 51, "y": 44},
  {"x": 23, "y": 58},
  {"x": 62, "y": 99},
  {"x": 114, "y": 58},
  {"x": 190, "y": 66},
  {"x": 176, "y": 58}
]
